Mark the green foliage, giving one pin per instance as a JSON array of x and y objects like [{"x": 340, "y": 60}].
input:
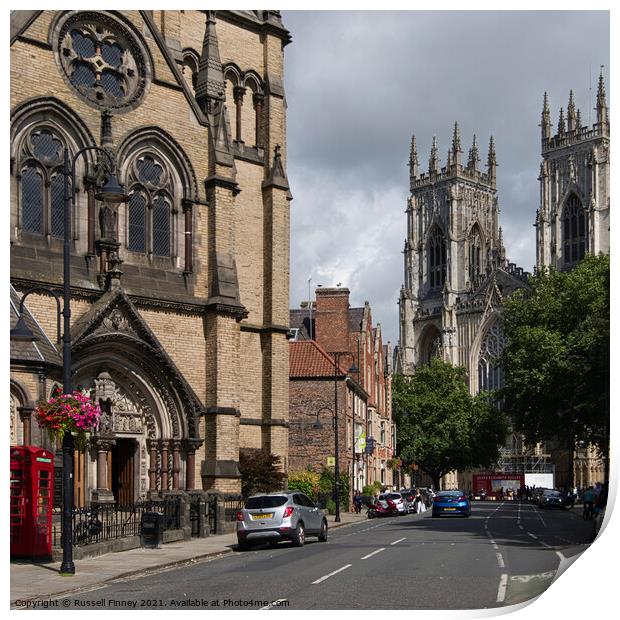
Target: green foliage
[
  {"x": 557, "y": 357},
  {"x": 368, "y": 490},
  {"x": 305, "y": 481},
  {"x": 260, "y": 472},
  {"x": 330, "y": 506},
  {"x": 326, "y": 485},
  {"x": 440, "y": 426}
]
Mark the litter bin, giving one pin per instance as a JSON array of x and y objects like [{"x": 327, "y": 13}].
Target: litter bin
[{"x": 151, "y": 529}]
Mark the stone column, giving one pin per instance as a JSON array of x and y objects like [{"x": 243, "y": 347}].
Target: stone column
[
  {"x": 25, "y": 414},
  {"x": 102, "y": 494},
  {"x": 258, "y": 100},
  {"x": 238, "y": 92},
  {"x": 152, "y": 446},
  {"x": 164, "y": 464},
  {"x": 176, "y": 463},
  {"x": 190, "y": 446}
]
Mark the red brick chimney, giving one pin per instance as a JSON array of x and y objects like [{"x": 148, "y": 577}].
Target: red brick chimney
[{"x": 332, "y": 319}]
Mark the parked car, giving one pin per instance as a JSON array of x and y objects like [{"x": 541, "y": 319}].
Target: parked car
[
  {"x": 409, "y": 496},
  {"x": 427, "y": 495},
  {"x": 451, "y": 502},
  {"x": 273, "y": 517},
  {"x": 536, "y": 493},
  {"x": 552, "y": 499},
  {"x": 398, "y": 500}
]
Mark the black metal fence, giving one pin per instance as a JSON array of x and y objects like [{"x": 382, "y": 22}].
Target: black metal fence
[{"x": 104, "y": 522}]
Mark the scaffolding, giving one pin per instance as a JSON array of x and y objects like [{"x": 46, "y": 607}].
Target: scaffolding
[{"x": 524, "y": 462}]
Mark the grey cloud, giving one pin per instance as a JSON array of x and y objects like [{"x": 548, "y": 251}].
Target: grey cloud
[{"x": 360, "y": 83}]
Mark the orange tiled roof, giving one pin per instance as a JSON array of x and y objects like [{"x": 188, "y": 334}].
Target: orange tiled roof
[{"x": 308, "y": 359}]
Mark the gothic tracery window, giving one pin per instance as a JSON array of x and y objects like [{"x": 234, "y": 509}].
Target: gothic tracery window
[
  {"x": 102, "y": 60},
  {"x": 42, "y": 183},
  {"x": 150, "y": 207},
  {"x": 436, "y": 258},
  {"x": 490, "y": 372},
  {"x": 574, "y": 231}
]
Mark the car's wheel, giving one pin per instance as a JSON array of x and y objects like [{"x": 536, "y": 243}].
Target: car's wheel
[
  {"x": 243, "y": 545},
  {"x": 323, "y": 532},
  {"x": 299, "y": 537}
]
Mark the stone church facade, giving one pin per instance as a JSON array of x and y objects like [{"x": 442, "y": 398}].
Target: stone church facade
[
  {"x": 456, "y": 272},
  {"x": 180, "y": 294}
]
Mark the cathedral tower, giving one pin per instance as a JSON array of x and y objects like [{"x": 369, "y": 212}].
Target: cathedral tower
[
  {"x": 573, "y": 218},
  {"x": 453, "y": 243}
]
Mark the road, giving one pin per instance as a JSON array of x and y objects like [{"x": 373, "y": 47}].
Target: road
[{"x": 505, "y": 553}]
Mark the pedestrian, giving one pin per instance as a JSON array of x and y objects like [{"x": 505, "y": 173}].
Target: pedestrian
[
  {"x": 416, "y": 501},
  {"x": 357, "y": 502}
]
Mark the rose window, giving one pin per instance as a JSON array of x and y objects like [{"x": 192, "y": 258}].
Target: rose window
[{"x": 102, "y": 60}]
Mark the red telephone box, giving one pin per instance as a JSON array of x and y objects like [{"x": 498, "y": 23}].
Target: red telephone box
[{"x": 32, "y": 490}]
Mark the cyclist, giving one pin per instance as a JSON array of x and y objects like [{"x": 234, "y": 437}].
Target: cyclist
[{"x": 588, "y": 502}]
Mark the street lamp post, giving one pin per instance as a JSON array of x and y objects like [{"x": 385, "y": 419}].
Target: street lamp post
[
  {"x": 353, "y": 369},
  {"x": 110, "y": 192}
]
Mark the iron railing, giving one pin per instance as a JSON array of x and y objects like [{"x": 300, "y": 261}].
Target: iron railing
[{"x": 104, "y": 522}]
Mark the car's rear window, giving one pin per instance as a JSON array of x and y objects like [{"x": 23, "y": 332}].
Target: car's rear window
[
  {"x": 449, "y": 494},
  {"x": 394, "y": 496},
  {"x": 266, "y": 501}
]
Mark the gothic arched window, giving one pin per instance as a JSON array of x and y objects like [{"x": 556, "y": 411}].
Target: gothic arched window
[
  {"x": 436, "y": 258},
  {"x": 41, "y": 182},
  {"x": 490, "y": 373},
  {"x": 150, "y": 206},
  {"x": 475, "y": 249},
  {"x": 575, "y": 231}
]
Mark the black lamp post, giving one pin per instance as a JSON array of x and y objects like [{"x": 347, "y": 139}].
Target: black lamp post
[
  {"x": 353, "y": 369},
  {"x": 110, "y": 192}
]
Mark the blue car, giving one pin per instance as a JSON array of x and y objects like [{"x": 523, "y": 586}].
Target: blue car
[{"x": 451, "y": 503}]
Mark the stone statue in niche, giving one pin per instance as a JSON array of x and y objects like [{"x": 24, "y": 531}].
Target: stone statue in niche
[{"x": 107, "y": 222}]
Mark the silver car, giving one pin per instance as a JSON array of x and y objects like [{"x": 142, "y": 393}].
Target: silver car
[{"x": 289, "y": 515}]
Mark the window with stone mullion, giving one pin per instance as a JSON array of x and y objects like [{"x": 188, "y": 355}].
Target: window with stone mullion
[
  {"x": 575, "y": 231},
  {"x": 137, "y": 211},
  {"x": 32, "y": 199}
]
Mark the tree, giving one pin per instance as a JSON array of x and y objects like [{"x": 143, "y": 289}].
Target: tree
[
  {"x": 556, "y": 360},
  {"x": 440, "y": 427},
  {"x": 259, "y": 472}
]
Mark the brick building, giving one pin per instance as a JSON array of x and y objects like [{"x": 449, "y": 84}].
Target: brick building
[
  {"x": 314, "y": 379},
  {"x": 338, "y": 328},
  {"x": 180, "y": 294}
]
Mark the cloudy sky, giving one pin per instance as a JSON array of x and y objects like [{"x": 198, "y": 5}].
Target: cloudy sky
[{"x": 359, "y": 84}]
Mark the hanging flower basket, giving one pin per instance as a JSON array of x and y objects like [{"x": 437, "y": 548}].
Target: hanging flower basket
[{"x": 69, "y": 413}]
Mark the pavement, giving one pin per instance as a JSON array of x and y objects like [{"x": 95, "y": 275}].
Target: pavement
[{"x": 32, "y": 582}]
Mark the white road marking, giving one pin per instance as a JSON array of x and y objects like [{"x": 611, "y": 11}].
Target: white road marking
[
  {"x": 500, "y": 560},
  {"x": 501, "y": 590},
  {"x": 532, "y": 535},
  {"x": 399, "y": 540},
  {"x": 274, "y": 603},
  {"x": 333, "y": 573},
  {"x": 373, "y": 553},
  {"x": 560, "y": 555}
]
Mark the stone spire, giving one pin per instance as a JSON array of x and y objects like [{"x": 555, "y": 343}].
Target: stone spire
[
  {"x": 433, "y": 161},
  {"x": 561, "y": 123},
  {"x": 413, "y": 159},
  {"x": 473, "y": 158},
  {"x": 578, "y": 120},
  {"x": 601, "y": 100},
  {"x": 492, "y": 160},
  {"x": 456, "y": 145},
  {"x": 572, "y": 114},
  {"x": 210, "y": 80},
  {"x": 449, "y": 160},
  {"x": 545, "y": 121}
]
